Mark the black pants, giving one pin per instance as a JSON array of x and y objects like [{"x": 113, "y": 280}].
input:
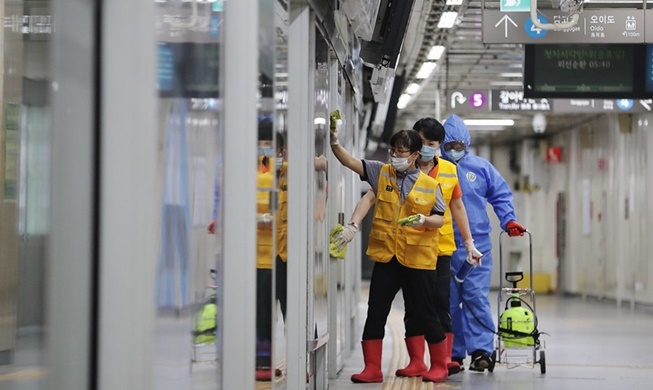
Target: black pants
[
  {"x": 418, "y": 290},
  {"x": 265, "y": 306},
  {"x": 441, "y": 287}
]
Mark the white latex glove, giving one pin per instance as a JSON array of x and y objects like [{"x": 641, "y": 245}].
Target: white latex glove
[
  {"x": 418, "y": 222},
  {"x": 264, "y": 218},
  {"x": 473, "y": 255},
  {"x": 345, "y": 236}
]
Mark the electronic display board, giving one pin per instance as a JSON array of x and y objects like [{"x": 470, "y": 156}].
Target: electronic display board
[
  {"x": 648, "y": 69},
  {"x": 585, "y": 71},
  {"x": 188, "y": 69}
]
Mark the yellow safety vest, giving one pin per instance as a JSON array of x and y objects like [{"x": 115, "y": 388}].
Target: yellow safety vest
[
  {"x": 447, "y": 177},
  {"x": 413, "y": 247},
  {"x": 282, "y": 213},
  {"x": 264, "y": 248}
]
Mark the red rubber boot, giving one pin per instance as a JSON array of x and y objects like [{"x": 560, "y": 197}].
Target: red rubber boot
[
  {"x": 372, "y": 373},
  {"x": 438, "y": 371},
  {"x": 416, "y": 367},
  {"x": 452, "y": 366}
]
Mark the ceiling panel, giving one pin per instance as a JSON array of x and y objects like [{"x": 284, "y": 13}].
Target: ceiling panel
[{"x": 467, "y": 64}]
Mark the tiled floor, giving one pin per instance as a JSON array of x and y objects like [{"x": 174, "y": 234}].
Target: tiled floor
[{"x": 590, "y": 345}]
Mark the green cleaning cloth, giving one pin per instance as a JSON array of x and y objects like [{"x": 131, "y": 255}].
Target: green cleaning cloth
[{"x": 333, "y": 248}]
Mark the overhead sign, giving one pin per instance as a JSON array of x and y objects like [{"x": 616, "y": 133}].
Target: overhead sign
[
  {"x": 572, "y": 106},
  {"x": 511, "y": 100},
  {"x": 469, "y": 102},
  {"x": 515, "y": 5},
  {"x": 610, "y": 25},
  {"x": 584, "y": 71},
  {"x": 648, "y": 18}
]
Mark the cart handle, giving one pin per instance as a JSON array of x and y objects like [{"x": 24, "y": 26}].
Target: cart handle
[{"x": 514, "y": 277}]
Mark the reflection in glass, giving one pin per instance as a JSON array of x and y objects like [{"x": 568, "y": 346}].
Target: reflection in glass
[
  {"x": 320, "y": 230},
  {"x": 269, "y": 267},
  {"x": 25, "y": 142},
  {"x": 187, "y": 332},
  {"x": 280, "y": 102}
]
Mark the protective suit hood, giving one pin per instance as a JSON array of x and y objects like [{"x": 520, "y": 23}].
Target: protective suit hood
[{"x": 455, "y": 130}]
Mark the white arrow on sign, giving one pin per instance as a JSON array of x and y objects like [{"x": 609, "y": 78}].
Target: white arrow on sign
[
  {"x": 457, "y": 97},
  {"x": 506, "y": 19},
  {"x": 646, "y": 103}
]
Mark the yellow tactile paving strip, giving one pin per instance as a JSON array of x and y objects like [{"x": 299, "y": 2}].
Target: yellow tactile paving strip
[{"x": 400, "y": 359}]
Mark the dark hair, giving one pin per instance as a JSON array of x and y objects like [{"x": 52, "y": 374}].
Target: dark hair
[
  {"x": 408, "y": 139},
  {"x": 265, "y": 130},
  {"x": 431, "y": 128}
]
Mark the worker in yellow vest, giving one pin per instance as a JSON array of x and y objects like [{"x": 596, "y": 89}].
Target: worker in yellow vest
[
  {"x": 265, "y": 179},
  {"x": 432, "y": 133},
  {"x": 405, "y": 253}
]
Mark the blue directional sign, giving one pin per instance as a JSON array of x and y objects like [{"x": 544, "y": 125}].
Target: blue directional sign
[
  {"x": 625, "y": 104},
  {"x": 532, "y": 30}
]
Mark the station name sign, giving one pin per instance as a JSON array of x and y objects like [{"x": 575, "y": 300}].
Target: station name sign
[
  {"x": 505, "y": 100},
  {"x": 610, "y": 25}
]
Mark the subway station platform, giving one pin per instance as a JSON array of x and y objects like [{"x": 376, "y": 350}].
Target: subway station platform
[{"x": 590, "y": 345}]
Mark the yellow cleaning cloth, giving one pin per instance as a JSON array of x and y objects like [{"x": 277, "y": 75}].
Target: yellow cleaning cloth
[{"x": 333, "y": 248}]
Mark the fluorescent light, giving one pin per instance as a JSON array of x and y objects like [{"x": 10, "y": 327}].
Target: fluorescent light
[
  {"x": 425, "y": 70},
  {"x": 489, "y": 122},
  {"x": 515, "y": 74},
  {"x": 447, "y": 19},
  {"x": 412, "y": 88},
  {"x": 403, "y": 101},
  {"x": 436, "y": 52},
  {"x": 454, "y": 2},
  {"x": 507, "y": 83},
  {"x": 319, "y": 121}
]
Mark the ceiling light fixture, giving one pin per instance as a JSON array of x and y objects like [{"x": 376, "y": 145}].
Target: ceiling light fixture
[
  {"x": 454, "y": 2},
  {"x": 412, "y": 88},
  {"x": 436, "y": 52},
  {"x": 506, "y": 83},
  {"x": 425, "y": 70},
  {"x": 489, "y": 122},
  {"x": 403, "y": 101},
  {"x": 447, "y": 19},
  {"x": 510, "y": 74}
]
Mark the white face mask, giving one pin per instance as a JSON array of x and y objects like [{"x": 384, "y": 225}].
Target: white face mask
[
  {"x": 427, "y": 153},
  {"x": 455, "y": 155},
  {"x": 400, "y": 164}
]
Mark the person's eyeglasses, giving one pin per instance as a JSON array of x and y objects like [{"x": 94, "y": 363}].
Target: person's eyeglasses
[
  {"x": 458, "y": 146},
  {"x": 397, "y": 152}
]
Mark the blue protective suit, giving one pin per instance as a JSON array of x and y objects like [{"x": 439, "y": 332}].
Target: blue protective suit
[{"x": 480, "y": 183}]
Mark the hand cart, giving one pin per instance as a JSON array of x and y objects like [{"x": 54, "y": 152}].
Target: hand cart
[
  {"x": 204, "y": 331},
  {"x": 518, "y": 340}
]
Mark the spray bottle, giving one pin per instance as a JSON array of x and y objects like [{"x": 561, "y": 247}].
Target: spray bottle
[{"x": 465, "y": 269}]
